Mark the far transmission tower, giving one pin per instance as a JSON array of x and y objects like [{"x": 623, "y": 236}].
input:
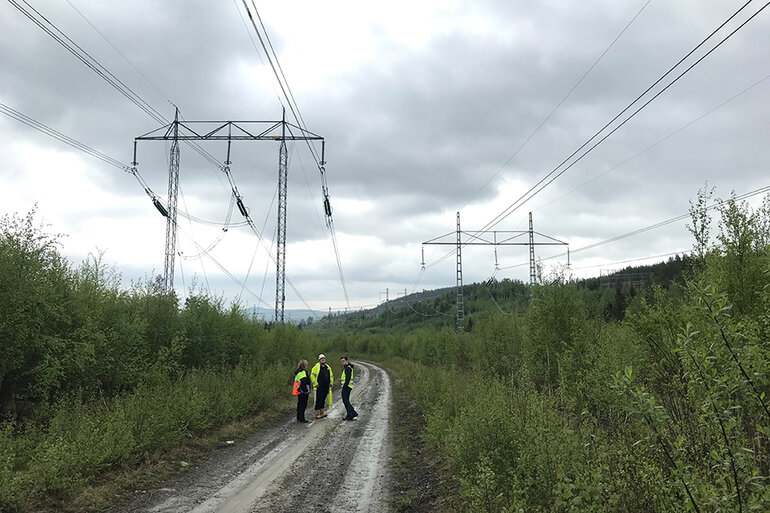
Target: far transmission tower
[{"x": 481, "y": 238}]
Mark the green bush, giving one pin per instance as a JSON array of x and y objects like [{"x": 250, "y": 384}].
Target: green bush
[{"x": 83, "y": 439}]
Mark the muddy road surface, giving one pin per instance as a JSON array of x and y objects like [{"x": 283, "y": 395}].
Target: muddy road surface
[{"x": 328, "y": 465}]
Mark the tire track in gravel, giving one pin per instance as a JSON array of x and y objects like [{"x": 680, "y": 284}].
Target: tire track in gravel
[{"x": 328, "y": 465}]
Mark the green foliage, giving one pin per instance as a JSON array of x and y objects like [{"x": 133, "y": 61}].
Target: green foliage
[
  {"x": 584, "y": 399},
  {"x": 742, "y": 258},
  {"x": 95, "y": 378},
  {"x": 83, "y": 439},
  {"x": 564, "y": 409}
]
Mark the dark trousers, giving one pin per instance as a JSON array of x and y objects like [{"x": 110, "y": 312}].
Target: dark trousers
[
  {"x": 301, "y": 406},
  {"x": 320, "y": 397},
  {"x": 346, "y": 401}
]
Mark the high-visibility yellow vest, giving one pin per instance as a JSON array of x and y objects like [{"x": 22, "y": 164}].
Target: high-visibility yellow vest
[
  {"x": 314, "y": 378},
  {"x": 316, "y": 370},
  {"x": 297, "y": 381},
  {"x": 350, "y": 382}
]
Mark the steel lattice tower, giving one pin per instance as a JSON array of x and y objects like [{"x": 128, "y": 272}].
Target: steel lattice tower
[
  {"x": 460, "y": 317},
  {"x": 532, "y": 269},
  {"x": 173, "y": 192},
  {"x": 280, "y": 274}
]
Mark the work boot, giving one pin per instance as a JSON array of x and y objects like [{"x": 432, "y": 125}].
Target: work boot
[
  {"x": 318, "y": 414},
  {"x": 323, "y": 414}
]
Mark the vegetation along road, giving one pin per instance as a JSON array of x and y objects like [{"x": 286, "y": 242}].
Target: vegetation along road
[{"x": 326, "y": 465}]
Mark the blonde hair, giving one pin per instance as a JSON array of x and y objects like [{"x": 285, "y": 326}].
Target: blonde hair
[{"x": 302, "y": 364}]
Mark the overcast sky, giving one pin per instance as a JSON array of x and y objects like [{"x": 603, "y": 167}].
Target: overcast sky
[{"x": 420, "y": 103}]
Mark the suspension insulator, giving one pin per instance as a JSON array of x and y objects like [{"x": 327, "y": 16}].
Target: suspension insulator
[
  {"x": 327, "y": 207},
  {"x": 160, "y": 207},
  {"x": 242, "y": 208}
]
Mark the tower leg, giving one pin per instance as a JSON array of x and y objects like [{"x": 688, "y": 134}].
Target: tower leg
[
  {"x": 280, "y": 273},
  {"x": 532, "y": 269},
  {"x": 173, "y": 190},
  {"x": 460, "y": 318}
]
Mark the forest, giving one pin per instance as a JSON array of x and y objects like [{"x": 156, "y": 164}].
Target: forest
[{"x": 569, "y": 396}]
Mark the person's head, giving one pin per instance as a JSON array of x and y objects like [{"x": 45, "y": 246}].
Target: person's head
[
  {"x": 344, "y": 361},
  {"x": 302, "y": 365},
  {"x": 322, "y": 359}
]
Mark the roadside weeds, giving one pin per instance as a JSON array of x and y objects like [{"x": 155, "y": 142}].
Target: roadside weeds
[
  {"x": 421, "y": 481},
  {"x": 119, "y": 486}
]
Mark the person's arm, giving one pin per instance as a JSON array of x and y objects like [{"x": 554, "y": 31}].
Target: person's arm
[{"x": 305, "y": 385}]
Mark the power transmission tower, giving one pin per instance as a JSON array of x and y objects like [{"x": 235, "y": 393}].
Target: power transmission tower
[
  {"x": 481, "y": 238},
  {"x": 190, "y": 131}
]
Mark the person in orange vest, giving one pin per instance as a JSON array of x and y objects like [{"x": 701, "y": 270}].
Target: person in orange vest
[
  {"x": 323, "y": 378},
  {"x": 301, "y": 389}
]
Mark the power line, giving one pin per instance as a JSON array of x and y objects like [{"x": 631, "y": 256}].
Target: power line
[
  {"x": 294, "y": 108},
  {"x": 40, "y": 127},
  {"x": 45, "y": 129},
  {"x": 121, "y": 53},
  {"x": 558, "y": 105},
  {"x": 530, "y": 194},
  {"x": 224, "y": 270},
  {"x": 660, "y": 141},
  {"x": 660, "y": 224},
  {"x": 605, "y": 264},
  {"x": 555, "y": 173},
  {"x": 83, "y": 56}
]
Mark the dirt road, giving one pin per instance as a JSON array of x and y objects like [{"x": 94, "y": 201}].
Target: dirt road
[{"x": 327, "y": 465}]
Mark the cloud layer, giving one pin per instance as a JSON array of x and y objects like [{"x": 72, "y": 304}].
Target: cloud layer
[{"x": 420, "y": 105}]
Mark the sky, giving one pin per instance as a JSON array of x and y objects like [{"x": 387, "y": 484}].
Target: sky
[{"x": 427, "y": 109}]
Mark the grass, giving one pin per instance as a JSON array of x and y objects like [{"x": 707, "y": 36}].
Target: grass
[
  {"x": 420, "y": 477},
  {"x": 119, "y": 486}
]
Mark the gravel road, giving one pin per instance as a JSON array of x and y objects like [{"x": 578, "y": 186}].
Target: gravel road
[{"x": 328, "y": 465}]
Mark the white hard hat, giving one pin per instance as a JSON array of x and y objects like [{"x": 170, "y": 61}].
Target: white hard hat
[{"x": 321, "y": 356}]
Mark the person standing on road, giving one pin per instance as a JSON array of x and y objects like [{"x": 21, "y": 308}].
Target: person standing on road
[
  {"x": 347, "y": 386},
  {"x": 323, "y": 379},
  {"x": 301, "y": 389}
]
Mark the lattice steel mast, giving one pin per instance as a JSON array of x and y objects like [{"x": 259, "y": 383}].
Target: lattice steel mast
[
  {"x": 532, "y": 267},
  {"x": 173, "y": 192},
  {"x": 280, "y": 262},
  {"x": 460, "y": 315}
]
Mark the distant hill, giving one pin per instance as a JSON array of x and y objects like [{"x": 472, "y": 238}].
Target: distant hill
[{"x": 612, "y": 293}]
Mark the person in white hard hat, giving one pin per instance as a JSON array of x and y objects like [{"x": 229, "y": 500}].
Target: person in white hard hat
[{"x": 323, "y": 378}]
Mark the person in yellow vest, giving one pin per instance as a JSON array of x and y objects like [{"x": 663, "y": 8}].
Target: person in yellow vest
[
  {"x": 301, "y": 389},
  {"x": 346, "y": 379},
  {"x": 323, "y": 378}
]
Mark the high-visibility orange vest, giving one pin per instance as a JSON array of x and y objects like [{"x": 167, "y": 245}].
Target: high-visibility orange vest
[{"x": 297, "y": 380}]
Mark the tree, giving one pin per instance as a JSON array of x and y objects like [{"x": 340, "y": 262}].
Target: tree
[{"x": 701, "y": 222}]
